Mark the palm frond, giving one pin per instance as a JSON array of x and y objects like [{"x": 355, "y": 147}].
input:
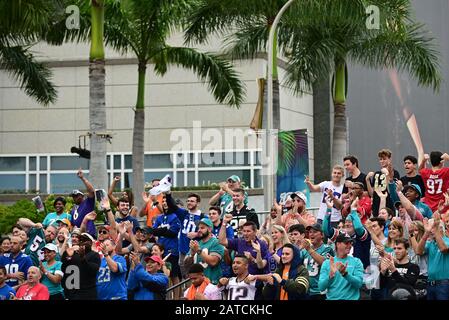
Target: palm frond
[
  {"x": 223, "y": 81},
  {"x": 34, "y": 77}
]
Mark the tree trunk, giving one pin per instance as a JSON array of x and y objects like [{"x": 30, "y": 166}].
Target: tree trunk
[
  {"x": 97, "y": 109},
  {"x": 339, "y": 144},
  {"x": 139, "y": 138}
]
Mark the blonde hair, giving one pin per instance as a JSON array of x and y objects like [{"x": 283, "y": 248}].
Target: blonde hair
[
  {"x": 420, "y": 226},
  {"x": 400, "y": 227},
  {"x": 339, "y": 167},
  {"x": 281, "y": 229}
]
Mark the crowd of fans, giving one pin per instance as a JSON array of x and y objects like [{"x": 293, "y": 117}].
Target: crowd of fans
[{"x": 376, "y": 236}]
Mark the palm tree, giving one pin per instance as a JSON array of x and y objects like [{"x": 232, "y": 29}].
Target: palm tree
[
  {"x": 143, "y": 27},
  {"x": 329, "y": 35},
  {"x": 21, "y": 25},
  {"x": 319, "y": 38},
  {"x": 97, "y": 106}
]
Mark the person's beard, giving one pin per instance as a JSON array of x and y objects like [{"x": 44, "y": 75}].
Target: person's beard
[{"x": 204, "y": 235}]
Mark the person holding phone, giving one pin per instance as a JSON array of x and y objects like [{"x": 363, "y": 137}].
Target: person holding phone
[{"x": 83, "y": 205}]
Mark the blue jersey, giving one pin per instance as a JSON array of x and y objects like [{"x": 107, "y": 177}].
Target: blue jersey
[
  {"x": 112, "y": 285},
  {"x": 146, "y": 286},
  {"x": 5, "y": 292},
  {"x": 438, "y": 263},
  {"x": 229, "y": 231},
  {"x": 53, "y": 216},
  {"x": 314, "y": 268},
  {"x": 339, "y": 287},
  {"x": 170, "y": 222},
  {"x": 272, "y": 264},
  {"x": 19, "y": 264},
  {"x": 189, "y": 223},
  {"x": 79, "y": 212}
]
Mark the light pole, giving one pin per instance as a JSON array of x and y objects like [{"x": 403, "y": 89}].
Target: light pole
[{"x": 271, "y": 178}]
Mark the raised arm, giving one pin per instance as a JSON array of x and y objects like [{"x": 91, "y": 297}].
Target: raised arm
[
  {"x": 368, "y": 183},
  {"x": 422, "y": 165},
  {"x": 312, "y": 187},
  {"x": 111, "y": 190},
  {"x": 217, "y": 196},
  {"x": 222, "y": 233},
  {"x": 89, "y": 187}
]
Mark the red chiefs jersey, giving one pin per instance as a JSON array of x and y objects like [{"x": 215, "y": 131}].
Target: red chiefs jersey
[{"x": 436, "y": 182}]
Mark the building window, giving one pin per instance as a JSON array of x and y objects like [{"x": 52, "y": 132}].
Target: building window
[
  {"x": 12, "y": 163},
  {"x": 12, "y": 183}
]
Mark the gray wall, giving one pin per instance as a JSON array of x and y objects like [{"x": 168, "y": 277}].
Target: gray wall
[{"x": 375, "y": 114}]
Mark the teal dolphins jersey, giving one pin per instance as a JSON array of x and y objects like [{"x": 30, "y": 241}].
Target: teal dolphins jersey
[{"x": 314, "y": 268}]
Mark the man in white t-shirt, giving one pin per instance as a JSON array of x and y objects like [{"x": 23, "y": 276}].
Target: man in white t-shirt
[
  {"x": 201, "y": 288},
  {"x": 334, "y": 189},
  {"x": 239, "y": 287}
]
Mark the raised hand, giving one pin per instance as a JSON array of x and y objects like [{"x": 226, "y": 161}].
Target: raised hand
[
  {"x": 248, "y": 255},
  {"x": 333, "y": 267},
  {"x": 227, "y": 217},
  {"x": 399, "y": 185},
  {"x": 385, "y": 172},
  {"x": 277, "y": 205},
  {"x": 91, "y": 216},
  {"x": 306, "y": 244},
  {"x": 117, "y": 178},
  {"x": 103, "y": 248},
  {"x": 80, "y": 173},
  {"x": 378, "y": 190},
  {"x": 329, "y": 202},
  {"x": 256, "y": 245},
  {"x": 223, "y": 282},
  {"x": 355, "y": 204},
  {"x": 145, "y": 197},
  {"x": 105, "y": 204},
  {"x": 194, "y": 246}
]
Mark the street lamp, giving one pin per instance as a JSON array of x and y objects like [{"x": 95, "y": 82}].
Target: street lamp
[{"x": 271, "y": 179}]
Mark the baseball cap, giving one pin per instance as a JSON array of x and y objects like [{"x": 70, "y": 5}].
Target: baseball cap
[
  {"x": 343, "y": 237},
  {"x": 155, "y": 259},
  {"x": 234, "y": 178},
  {"x": 207, "y": 222},
  {"x": 65, "y": 221},
  {"x": 86, "y": 237},
  {"x": 51, "y": 247},
  {"x": 415, "y": 187},
  {"x": 76, "y": 192},
  {"x": 299, "y": 195},
  {"x": 397, "y": 204},
  {"x": 76, "y": 230},
  {"x": 316, "y": 227}
]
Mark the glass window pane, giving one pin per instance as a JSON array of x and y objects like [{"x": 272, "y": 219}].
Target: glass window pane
[
  {"x": 12, "y": 183},
  {"x": 68, "y": 163},
  {"x": 32, "y": 163},
  {"x": 117, "y": 162},
  {"x": 191, "y": 178},
  {"x": 43, "y": 163},
  {"x": 128, "y": 180},
  {"x": 180, "y": 179},
  {"x": 157, "y": 161},
  {"x": 43, "y": 183},
  {"x": 66, "y": 182},
  {"x": 208, "y": 177},
  {"x": 32, "y": 183},
  {"x": 108, "y": 162},
  {"x": 258, "y": 156},
  {"x": 223, "y": 159},
  {"x": 128, "y": 161},
  {"x": 155, "y": 175},
  {"x": 12, "y": 163},
  {"x": 258, "y": 179}
]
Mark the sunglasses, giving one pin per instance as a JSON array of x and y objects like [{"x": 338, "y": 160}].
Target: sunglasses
[{"x": 103, "y": 232}]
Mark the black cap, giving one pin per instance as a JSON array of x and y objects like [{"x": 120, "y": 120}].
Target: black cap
[
  {"x": 343, "y": 237},
  {"x": 316, "y": 227}
]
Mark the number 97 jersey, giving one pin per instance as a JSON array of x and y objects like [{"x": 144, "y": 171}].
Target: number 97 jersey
[{"x": 436, "y": 182}]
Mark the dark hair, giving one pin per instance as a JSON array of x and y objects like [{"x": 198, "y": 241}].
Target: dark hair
[
  {"x": 2, "y": 239},
  {"x": 240, "y": 190},
  {"x": 297, "y": 227},
  {"x": 196, "y": 268},
  {"x": 122, "y": 200},
  {"x": 384, "y": 153},
  {"x": 389, "y": 211},
  {"x": 353, "y": 160},
  {"x": 18, "y": 226},
  {"x": 435, "y": 158},
  {"x": 412, "y": 159},
  {"x": 403, "y": 241},
  {"x": 194, "y": 195},
  {"x": 216, "y": 208},
  {"x": 59, "y": 199},
  {"x": 3, "y": 268},
  {"x": 380, "y": 221},
  {"x": 250, "y": 224},
  {"x": 155, "y": 180},
  {"x": 160, "y": 246},
  {"x": 241, "y": 256},
  {"x": 289, "y": 245},
  {"x": 130, "y": 195}
]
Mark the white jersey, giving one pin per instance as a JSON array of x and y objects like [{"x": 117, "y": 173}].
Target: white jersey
[
  {"x": 240, "y": 290},
  {"x": 336, "y": 190}
]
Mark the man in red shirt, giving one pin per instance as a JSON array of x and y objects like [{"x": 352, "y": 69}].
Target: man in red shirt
[
  {"x": 33, "y": 289},
  {"x": 364, "y": 204},
  {"x": 436, "y": 179}
]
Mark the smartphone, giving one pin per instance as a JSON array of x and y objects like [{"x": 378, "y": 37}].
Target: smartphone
[
  {"x": 38, "y": 203},
  {"x": 100, "y": 194}
]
